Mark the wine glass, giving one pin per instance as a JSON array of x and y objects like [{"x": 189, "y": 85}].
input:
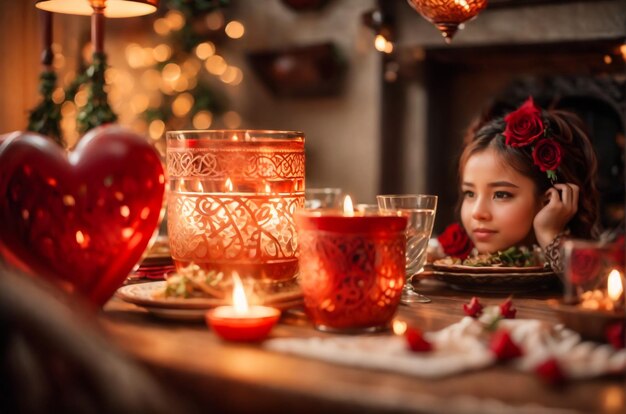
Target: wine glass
[{"x": 420, "y": 210}]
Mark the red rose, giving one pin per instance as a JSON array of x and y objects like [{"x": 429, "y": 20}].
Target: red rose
[
  {"x": 503, "y": 346},
  {"x": 416, "y": 341},
  {"x": 455, "y": 242},
  {"x": 474, "y": 309},
  {"x": 524, "y": 125},
  {"x": 584, "y": 265},
  {"x": 547, "y": 154}
]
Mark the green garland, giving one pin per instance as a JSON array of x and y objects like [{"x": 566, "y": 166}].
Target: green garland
[
  {"x": 46, "y": 116},
  {"x": 97, "y": 110}
]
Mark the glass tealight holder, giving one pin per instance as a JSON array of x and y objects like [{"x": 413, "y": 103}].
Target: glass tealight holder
[
  {"x": 593, "y": 287},
  {"x": 233, "y": 194}
]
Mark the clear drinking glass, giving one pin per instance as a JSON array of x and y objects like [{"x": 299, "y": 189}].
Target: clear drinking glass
[
  {"x": 323, "y": 197},
  {"x": 420, "y": 210}
]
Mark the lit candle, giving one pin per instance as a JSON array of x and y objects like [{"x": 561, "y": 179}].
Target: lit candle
[
  {"x": 348, "y": 209},
  {"x": 242, "y": 322},
  {"x": 615, "y": 288}
]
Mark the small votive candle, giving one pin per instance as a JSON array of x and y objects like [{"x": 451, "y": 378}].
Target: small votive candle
[
  {"x": 241, "y": 322},
  {"x": 351, "y": 268}
]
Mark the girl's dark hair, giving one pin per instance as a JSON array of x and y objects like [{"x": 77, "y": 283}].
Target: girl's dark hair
[{"x": 578, "y": 163}]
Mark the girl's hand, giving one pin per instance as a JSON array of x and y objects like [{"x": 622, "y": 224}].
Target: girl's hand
[{"x": 559, "y": 210}]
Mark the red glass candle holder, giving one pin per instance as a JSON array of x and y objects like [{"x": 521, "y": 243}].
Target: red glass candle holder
[
  {"x": 351, "y": 268},
  {"x": 253, "y": 325},
  {"x": 232, "y": 197}
]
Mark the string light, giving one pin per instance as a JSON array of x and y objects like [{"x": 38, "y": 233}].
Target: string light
[
  {"x": 171, "y": 72},
  {"x": 202, "y": 120},
  {"x": 182, "y": 104},
  {"x": 162, "y": 52},
  {"x": 161, "y": 27},
  {"x": 214, "y": 21},
  {"x": 235, "y": 29},
  {"x": 156, "y": 129},
  {"x": 204, "y": 50},
  {"x": 216, "y": 65},
  {"x": 175, "y": 19}
]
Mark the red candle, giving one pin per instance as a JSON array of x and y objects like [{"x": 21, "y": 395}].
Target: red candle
[
  {"x": 351, "y": 268},
  {"x": 241, "y": 322}
]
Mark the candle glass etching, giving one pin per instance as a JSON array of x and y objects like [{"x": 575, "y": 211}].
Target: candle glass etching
[
  {"x": 351, "y": 268},
  {"x": 232, "y": 197}
]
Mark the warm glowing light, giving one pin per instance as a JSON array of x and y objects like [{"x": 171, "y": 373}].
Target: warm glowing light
[
  {"x": 145, "y": 212},
  {"x": 388, "y": 47},
  {"x": 151, "y": 79},
  {"x": 234, "y": 29},
  {"x": 399, "y": 327},
  {"x": 171, "y": 72},
  {"x": 614, "y": 285},
  {"x": 59, "y": 61},
  {"x": 240, "y": 303},
  {"x": 229, "y": 185},
  {"x": 202, "y": 120},
  {"x": 139, "y": 103},
  {"x": 622, "y": 50},
  {"x": 68, "y": 109},
  {"x": 230, "y": 74},
  {"x": 161, "y": 27},
  {"x": 125, "y": 211},
  {"x": 69, "y": 200},
  {"x": 182, "y": 84},
  {"x": 232, "y": 120},
  {"x": 156, "y": 129},
  {"x": 182, "y": 104},
  {"x": 348, "y": 208},
  {"x": 162, "y": 52},
  {"x": 380, "y": 42},
  {"x": 267, "y": 188},
  {"x": 215, "y": 20},
  {"x": 175, "y": 19},
  {"x": 80, "y": 99},
  {"x": 82, "y": 239},
  {"x": 463, "y": 3},
  {"x": 204, "y": 50},
  {"x": 58, "y": 96},
  {"x": 608, "y": 59},
  {"x": 216, "y": 65}
]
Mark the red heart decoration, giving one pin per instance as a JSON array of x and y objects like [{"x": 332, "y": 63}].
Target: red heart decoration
[{"x": 82, "y": 219}]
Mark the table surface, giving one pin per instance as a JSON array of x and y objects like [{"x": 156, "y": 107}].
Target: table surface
[{"x": 246, "y": 378}]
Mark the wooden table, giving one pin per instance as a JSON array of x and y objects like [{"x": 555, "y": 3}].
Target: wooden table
[{"x": 229, "y": 377}]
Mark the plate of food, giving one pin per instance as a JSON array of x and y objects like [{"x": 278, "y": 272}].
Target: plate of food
[
  {"x": 511, "y": 271},
  {"x": 187, "y": 297}
]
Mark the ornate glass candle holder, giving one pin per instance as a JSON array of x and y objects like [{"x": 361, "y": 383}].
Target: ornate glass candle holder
[
  {"x": 351, "y": 268},
  {"x": 594, "y": 287},
  {"x": 232, "y": 197}
]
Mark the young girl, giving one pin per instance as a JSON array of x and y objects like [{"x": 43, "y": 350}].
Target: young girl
[{"x": 529, "y": 178}]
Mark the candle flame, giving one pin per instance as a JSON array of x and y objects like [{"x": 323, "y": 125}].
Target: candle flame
[
  {"x": 348, "y": 209},
  {"x": 229, "y": 185},
  {"x": 235, "y": 137},
  {"x": 399, "y": 327},
  {"x": 267, "y": 188},
  {"x": 614, "y": 285},
  {"x": 239, "y": 295}
]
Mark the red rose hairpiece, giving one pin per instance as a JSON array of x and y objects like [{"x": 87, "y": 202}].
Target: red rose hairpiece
[{"x": 526, "y": 128}]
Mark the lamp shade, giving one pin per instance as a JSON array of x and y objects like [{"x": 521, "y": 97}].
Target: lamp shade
[
  {"x": 113, "y": 8},
  {"x": 447, "y": 15}
]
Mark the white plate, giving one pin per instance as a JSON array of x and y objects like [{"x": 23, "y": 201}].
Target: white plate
[{"x": 143, "y": 294}]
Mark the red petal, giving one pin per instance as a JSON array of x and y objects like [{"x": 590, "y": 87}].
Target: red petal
[
  {"x": 507, "y": 310},
  {"x": 550, "y": 371},
  {"x": 416, "y": 341},
  {"x": 503, "y": 346},
  {"x": 474, "y": 309}
]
